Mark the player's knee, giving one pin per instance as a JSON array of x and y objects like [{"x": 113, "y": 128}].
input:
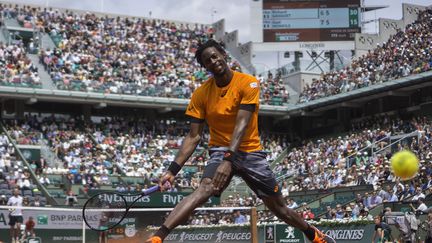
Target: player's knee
[
  {"x": 276, "y": 204},
  {"x": 205, "y": 190}
]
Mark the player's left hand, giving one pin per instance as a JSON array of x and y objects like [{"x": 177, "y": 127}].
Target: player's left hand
[{"x": 222, "y": 174}]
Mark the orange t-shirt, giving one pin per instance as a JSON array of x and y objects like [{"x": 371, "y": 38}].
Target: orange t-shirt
[{"x": 219, "y": 107}]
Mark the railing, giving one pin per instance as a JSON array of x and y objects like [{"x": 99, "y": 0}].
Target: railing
[
  {"x": 303, "y": 65},
  {"x": 280, "y": 157},
  {"x": 50, "y": 157},
  {"x": 6, "y": 34},
  {"x": 371, "y": 146},
  {"x": 415, "y": 133},
  {"x": 286, "y": 175}
]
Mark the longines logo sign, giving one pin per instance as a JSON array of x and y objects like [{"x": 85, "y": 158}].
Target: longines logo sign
[
  {"x": 354, "y": 234},
  {"x": 312, "y": 45}
]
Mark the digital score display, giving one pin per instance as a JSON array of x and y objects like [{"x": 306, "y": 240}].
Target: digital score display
[{"x": 295, "y": 20}]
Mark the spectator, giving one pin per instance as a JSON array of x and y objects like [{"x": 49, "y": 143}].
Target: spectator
[
  {"x": 292, "y": 204},
  {"x": 422, "y": 208},
  {"x": 26, "y": 202},
  {"x": 329, "y": 213},
  {"x": 418, "y": 194},
  {"x": 429, "y": 228},
  {"x": 364, "y": 214},
  {"x": 349, "y": 213},
  {"x": 239, "y": 218},
  {"x": 384, "y": 193},
  {"x": 375, "y": 200},
  {"x": 355, "y": 210},
  {"x": 382, "y": 230},
  {"x": 285, "y": 189},
  {"x": 44, "y": 180},
  {"x": 340, "y": 213},
  {"x": 3, "y": 200},
  {"x": 37, "y": 202},
  {"x": 394, "y": 197},
  {"x": 71, "y": 199},
  {"x": 29, "y": 229},
  {"x": 367, "y": 200},
  {"x": 307, "y": 214}
]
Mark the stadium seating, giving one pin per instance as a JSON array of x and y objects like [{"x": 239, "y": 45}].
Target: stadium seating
[
  {"x": 273, "y": 91},
  {"x": 114, "y": 153},
  {"x": 13, "y": 174},
  {"x": 345, "y": 159},
  {"x": 120, "y": 55},
  {"x": 16, "y": 67},
  {"x": 406, "y": 52}
]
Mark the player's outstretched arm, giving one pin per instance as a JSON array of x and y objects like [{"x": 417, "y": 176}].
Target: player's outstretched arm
[{"x": 187, "y": 148}]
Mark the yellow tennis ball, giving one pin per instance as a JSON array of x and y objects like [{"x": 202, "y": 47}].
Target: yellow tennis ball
[{"x": 404, "y": 164}]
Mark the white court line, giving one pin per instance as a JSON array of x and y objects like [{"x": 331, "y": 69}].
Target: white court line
[{"x": 114, "y": 209}]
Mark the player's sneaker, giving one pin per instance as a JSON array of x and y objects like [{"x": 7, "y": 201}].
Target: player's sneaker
[
  {"x": 154, "y": 239},
  {"x": 320, "y": 237}
]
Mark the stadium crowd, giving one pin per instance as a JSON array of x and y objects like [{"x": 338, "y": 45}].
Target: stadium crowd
[
  {"x": 347, "y": 160},
  {"x": 92, "y": 153},
  {"x": 349, "y": 167},
  {"x": 14, "y": 175},
  {"x": 105, "y": 54},
  {"x": 16, "y": 69},
  {"x": 344, "y": 161},
  {"x": 406, "y": 52},
  {"x": 273, "y": 91},
  {"x": 123, "y": 55}
]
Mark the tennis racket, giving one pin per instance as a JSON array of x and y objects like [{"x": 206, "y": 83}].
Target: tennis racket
[{"x": 106, "y": 210}]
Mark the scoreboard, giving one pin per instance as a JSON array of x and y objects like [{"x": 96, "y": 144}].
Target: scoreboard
[{"x": 313, "y": 20}]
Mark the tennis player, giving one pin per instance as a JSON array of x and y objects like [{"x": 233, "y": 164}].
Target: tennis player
[
  {"x": 15, "y": 215},
  {"x": 228, "y": 102}
]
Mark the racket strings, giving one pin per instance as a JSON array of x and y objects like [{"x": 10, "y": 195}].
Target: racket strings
[{"x": 104, "y": 211}]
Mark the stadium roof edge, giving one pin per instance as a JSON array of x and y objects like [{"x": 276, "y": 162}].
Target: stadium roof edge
[
  {"x": 123, "y": 100},
  {"x": 94, "y": 98}
]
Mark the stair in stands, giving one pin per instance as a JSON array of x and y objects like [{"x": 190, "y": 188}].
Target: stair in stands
[
  {"x": 293, "y": 95},
  {"x": 11, "y": 23},
  {"x": 3, "y": 38},
  {"x": 47, "y": 82},
  {"x": 47, "y": 42},
  {"x": 46, "y": 153}
]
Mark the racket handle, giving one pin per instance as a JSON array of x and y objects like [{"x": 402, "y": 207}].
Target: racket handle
[{"x": 151, "y": 190}]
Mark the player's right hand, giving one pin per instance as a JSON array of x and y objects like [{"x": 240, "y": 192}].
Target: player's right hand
[
  {"x": 222, "y": 175},
  {"x": 166, "y": 181}
]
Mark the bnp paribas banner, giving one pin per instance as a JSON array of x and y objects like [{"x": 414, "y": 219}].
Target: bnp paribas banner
[
  {"x": 45, "y": 219},
  {"x": 156, "y": 200}
]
